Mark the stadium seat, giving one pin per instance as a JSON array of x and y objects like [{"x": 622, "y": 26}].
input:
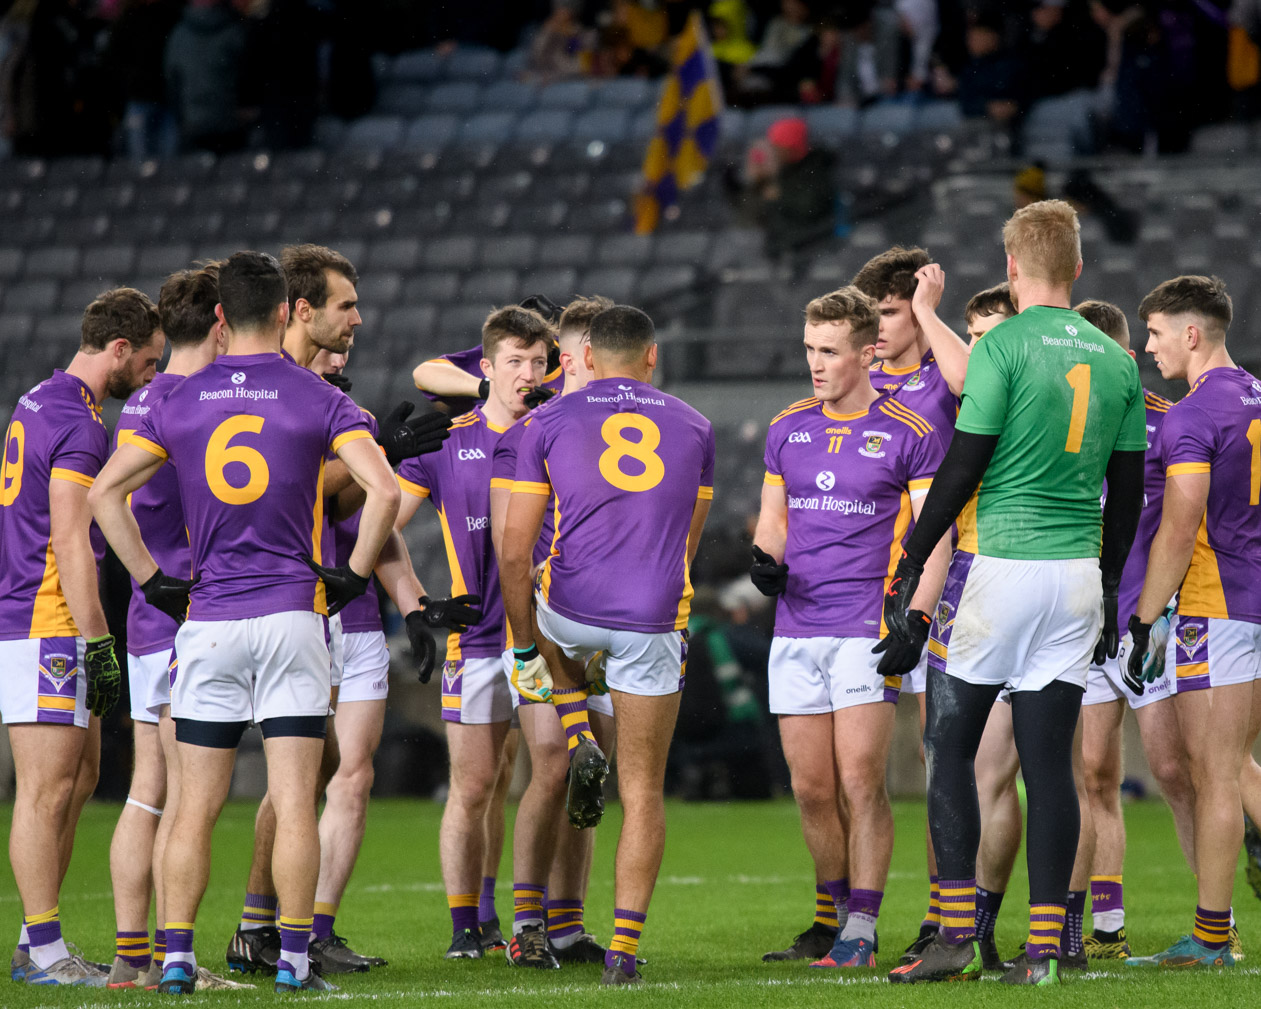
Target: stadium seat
[
  {"x": 548, "y": 125},
  {"x": 572, "y": 95},
  {"x": 734, "y": 127},
  {"x": 473, "y": 63},
  {"x": 379, "y": 290},
  {"x": 81, "y": 230},
  {"x": 482, "y": 216},
  {"x": 414, "y": 323},
  {"x": 487, "y": 126},
  {"x": 643, "y": 126},
  {"x": 508, "y": 186},
  {"x": 1061, "y": 123},
  {"x": 887, "y": 117},
  {"x": 625, "y": 250},
  {"x": 618, "y": 185},
  {"x": 561, "y": 185},
  {"x": 164, "y": 259},
  {"x": 56, "y": 261},
  {"x": 430, "y": 132},
  {"x": 393, "y": 192},
  {"x": 420, "y": 65},
  {"x": 59, "y": 334},
  {"x": 401, "y": 254},
  {"x": 432, "y": 287},
  {"x": 461, "y": 325},
  {"x": 79, "y": 171},
  {"x": 374, "y": 133},
  {"x": 626, "y": 92},
  {"x": 456, "y": 252},
  {"x": 938, "y": 115},
  {"x": 37, "y": 296},
  {"x": 138, "y": 228},
  {"x": 608, "y": 124},
  {"x": 682, "y": 247},
  {"x": 517, "y": 251},
  {"x": 10, "y": 263},
  {"x": 424, "y": 220},
  {"x": 661, "y": 281},
  {"x": 566, "y": 250},
  {"x": 542, "y": 217},
  {"x": 830, "y": 124},
  {"x": 78, "y": 294},
  {"x": 559, "y": 283},
  {"x": 508, "y": 94},
  {"x": 515, "y": 62},
  {"x": 489, "y": 287},
  {"x": 454, "y": 97},
  {"x": 15, "y": 328},
  {"x": 616, "y": 282},
  {"x": 401, "y": 98}
]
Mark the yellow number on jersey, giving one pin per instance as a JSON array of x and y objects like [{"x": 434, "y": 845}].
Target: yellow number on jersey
[
  {"x": 1254, "y": 437},
  {"x": 11, "y": 472},
  {"x": 219, "y": 453},
  {"x": 643, "y": 451},
  {"x": 1078, "y": 378}
]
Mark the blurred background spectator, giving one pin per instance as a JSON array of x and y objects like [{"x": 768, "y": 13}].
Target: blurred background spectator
[
  {"x": 205, "y": 77},
  {"x": 142, "y": 29}
]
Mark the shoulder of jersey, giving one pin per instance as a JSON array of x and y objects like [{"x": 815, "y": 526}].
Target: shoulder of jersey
[
  {"x": 1157, "y": 403},
  {"x": 470, "y": 419},
  {"x": 899, "y": 411},
  {"x": 799, "y": 407}
]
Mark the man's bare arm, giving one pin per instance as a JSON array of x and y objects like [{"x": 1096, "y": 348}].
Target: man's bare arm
[{"x": 522, "y": 525}]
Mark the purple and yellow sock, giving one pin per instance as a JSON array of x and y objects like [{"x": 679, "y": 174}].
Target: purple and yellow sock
[
  {"x": 838, "y": 893},
  {"x": 159, "y": 946},
  {"x": 43, "y": 933},
  {"x": 1212, "y": 928},
  {"x": 325, "y": 915},
  {"x": 295, "y": 941},
  {"x": 824, "y": 907},
  {"x": 527, "y": 905},
  {"x": 1107, "y": 903},
  {"x": 627, "y": 927},
  {"x": 463, "y": 907},
  {"x": 486, "y": 902},
  {"x": 958, "y": 909},
  {"x": 260, "y": 911},
  {"x": 933, "y": 918},
  {"x": 564, "y": 922},
  {"x": 1074, "y": 922},
  {"x": 864, "y": 909},
  {"x": 133, "y": 949},
  {"x": 1046, "y": 925},
  {"x": 988, "y": 903},
  {"x": 571, "y": 706},
  {"x": 179, "y": 947}
]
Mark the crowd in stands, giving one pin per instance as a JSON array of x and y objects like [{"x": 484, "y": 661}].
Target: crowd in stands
[{"x": 149, "y": 77}]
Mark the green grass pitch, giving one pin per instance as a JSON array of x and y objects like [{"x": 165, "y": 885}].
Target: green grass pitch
[{"x": 736, "y": 882}]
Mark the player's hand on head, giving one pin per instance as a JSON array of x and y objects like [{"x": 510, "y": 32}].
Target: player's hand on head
[
  {"x": 930, "y": 286},
  {"x": 531, "y": 675},
  {"x": 537, "y": 396},
  {"x": 770, "y": 578},
  {"x": 1110, "y": 636},
  {"x": 455, "y": 614},
  {"x": 342, "y": 585},
  {"x": 168, "y": 594},
  {"x": 104, "y": 678},
  {"x": 897, "y": 600},
  {"x": 405, "y": 437},
  {"x": 899, "y": 657},
  {"x": 424, "y": 648}
]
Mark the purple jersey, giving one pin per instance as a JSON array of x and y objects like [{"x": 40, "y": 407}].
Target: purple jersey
[
  {"x": 1216, "y": 428},
  {"x": 361, "y": 615},
  {"x": 156, "y": 506},
  {"x": 470, "y": 362},
  {"x": 248, "y": 436},
  {"x": 503, "y": 473},
  {"x": 56, "y": 433},
  {"x": 924, "y": 390},
  {"x": 623, "y": 508},
  {"x": 848, "y": 479},
  {"x": 457, "y": 480},
  {"x": 1153, "y": 501}
]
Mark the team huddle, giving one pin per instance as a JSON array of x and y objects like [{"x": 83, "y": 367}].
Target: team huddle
[{"x": 930, "y": 522}]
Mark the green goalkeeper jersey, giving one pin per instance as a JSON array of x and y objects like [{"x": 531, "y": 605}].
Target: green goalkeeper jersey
[{"x": 1062, "y": 397}]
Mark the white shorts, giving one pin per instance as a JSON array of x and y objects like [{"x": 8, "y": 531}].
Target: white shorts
[
  {"x": 648, "y": 665},
  {"x": 41, "y": 680},
  {"x": 816, "y": 676},
  {"x": 365, "y": 667},
  {"x": 149, "y": 683},
  {"x": 1019, "y": 623},
  {"x": 251, "y": 670},
  {"x": 916, "y": 681},
  {"x": 602, "y": 703},
  {"x": 336, "y": 649},
  {"x": 1105, "y": 684},
  {"x": 475, "y": 692},
  {"x": 1212, "y": 652}
]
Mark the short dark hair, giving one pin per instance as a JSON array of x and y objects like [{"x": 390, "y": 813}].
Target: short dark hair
[
  {"x": 306, "y": 273},
  {"x": 186, "y": 305},
  {"x": 524, "y": 325},
  {"x": 622, "y": 330},
  {"x": 251, "y": 286},
  {"x": 1107, "y": 318},
  {"x": 1203, "y": 296},
  {"x": 120, "y": 313},
  {"x": 850, "y": 305},
  {"x": 891, "y": 273},
  {"x": 994, "y": 300},
  {"x": 579, "y": 313}
]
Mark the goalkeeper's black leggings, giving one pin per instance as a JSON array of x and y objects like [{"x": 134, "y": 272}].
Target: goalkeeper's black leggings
[{"x": 1044, "y": 722}]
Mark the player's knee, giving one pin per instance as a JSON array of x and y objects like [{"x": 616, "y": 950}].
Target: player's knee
[
  {"x": 353, "y": 781},
  {"x": 814, "y": 794},
  {"x": 550, "y": 762},
  {"x": 472, "y": 792},
  {"x": 864, "y": 786}
]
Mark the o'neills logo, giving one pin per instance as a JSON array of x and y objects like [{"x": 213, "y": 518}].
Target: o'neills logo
[
  {"x": 240, "y": 392},
  {"x": 832, "y": 504}
]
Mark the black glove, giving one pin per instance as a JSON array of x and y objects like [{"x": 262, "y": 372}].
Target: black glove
[
  {"x": 341, "y": 381},
  {"x": 424, "y": 648},
  {"x": 770, "y": 578},
  {"x": 341, "y": 585},
  {"x": 537, "y": 396},
  {"x": 1110, "y": 637},
  {"x": 1132, "y": 674},
  {"x": 170, "y": 595},
  {"x": 900, "y": 657},
  {"x": 405, "y": 439},
  {"x": 100, "y": 664},
  {"x": 545, "y": 306},
  {"x": 898, "y": 598},
  {"x": 483, "y": 390},
  {"x": 453, "y": 614}
]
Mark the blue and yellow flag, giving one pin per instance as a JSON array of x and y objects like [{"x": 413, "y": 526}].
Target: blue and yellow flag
[{"x": 687, "y": 126}]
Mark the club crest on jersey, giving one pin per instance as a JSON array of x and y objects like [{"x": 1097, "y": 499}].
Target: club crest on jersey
[
  {"x": 915, "y": 383},
  {"x": 942, "y": 617},
  {"x": 874, "y": 446},
  {"x": 799, "y": 438},
  {"x": 58, "y": 669},
  {"x": 451, "y": 673},
  {"x": 1189, "y": 638},
  {"x": 826, "y": 480}
]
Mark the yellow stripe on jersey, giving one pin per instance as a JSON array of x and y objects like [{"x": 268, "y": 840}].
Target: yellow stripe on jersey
[
  {"x": 923, "y": 484},
  {"x": 69, "y": 475},
  {"x": 348, "y": 436},
  {"x": 798, "y": 407},
  {"x": 1202, "y": 594},
  {"x": 545, "y": 576},
  {"x": 500, "y": 483},
  {"x": 414, "y": 489},
  {"x": 900, "y": 526},
  {"x": 150, "y": 447},
  {"x": 459, "y": 586},
  {"x": 1181, "y": 468},
  {"x": 937, "y": 648},
  {"x": 705, "y": 494},
  {"x": 320, "y": 602},
  {"x": 50, "y": 616},
  {"x": 1157, "y": 403},
  {"x": 774, "y": 479},
  {"x": 57, "y": 703},
  {"x": 531, "y": 487},
  {"x": 969, "y": 539},
  {"x": 907, "y": 416}
]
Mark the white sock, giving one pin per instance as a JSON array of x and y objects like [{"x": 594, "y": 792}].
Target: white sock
[
  {"x": 1108, "y": 921},
  {"x": 517, "y": 926},
  {"x": 300, "y": 962},
  {"x": 859, "y": 926},
  {"x": 47, "y": 955},
  {"x": 23, "y": 938}
]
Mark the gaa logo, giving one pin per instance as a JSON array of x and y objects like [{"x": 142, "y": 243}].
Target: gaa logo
[
  {"x": 799, "y": 438},
  {"x": 826, "y": 480},
  {"x": 1070, "y": 330},
  {"x": 469, "y": 454},
  {"x": 238, "y": 377}
]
